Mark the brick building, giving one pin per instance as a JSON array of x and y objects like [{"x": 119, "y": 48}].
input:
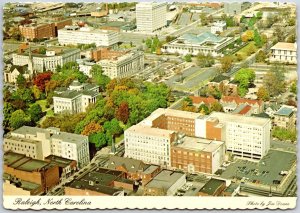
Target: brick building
[
  {"x": 197, "y": 155},
  {"x": 101, "y": 182},
  {"x": 22, "y": 168},
  {"x": 134, "y": 169},
  {"x": 43, "y": 30}
]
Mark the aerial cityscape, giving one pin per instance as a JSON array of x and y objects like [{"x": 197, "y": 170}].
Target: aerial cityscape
[{"x": 150, "y": 99}]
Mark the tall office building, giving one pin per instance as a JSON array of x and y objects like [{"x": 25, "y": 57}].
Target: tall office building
[{"x": 151, "y": 16}]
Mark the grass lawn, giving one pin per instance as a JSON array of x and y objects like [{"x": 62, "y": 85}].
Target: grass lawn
[
  {"x": 118, "y": 139},
  {"x": 42, "y": 103},
  {"x": 50, "y": 113},
  {"x": 244, "y": 50}
]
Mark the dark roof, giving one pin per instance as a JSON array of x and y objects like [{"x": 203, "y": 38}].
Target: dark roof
[
  {"x": 59, "y": 161},
  {"x": 261, "y": 115},
  {"x": 284, "y": 111},
  {"x": 131, "y": 165},
  {"x": 211, "y": 186},
  {"x": 21, "y": 69}
]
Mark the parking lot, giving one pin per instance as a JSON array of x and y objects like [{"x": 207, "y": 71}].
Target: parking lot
[{"x": 266, "y": 171}]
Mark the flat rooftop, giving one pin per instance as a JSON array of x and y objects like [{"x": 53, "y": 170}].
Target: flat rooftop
[
  {"x": 21, "y": 162},
  {"x": 285, "y": 46},
  {"x": 199, "y": 144},
  {"x": 26, "y": 185},
  {"x": 60, "y": 161},
  {"x": 263, "y": 172},
  {"x": 211, "y": 186},
  {"x": 226, "y": 117},
  {"x": 165, "y": 179},
  {"x": 146, "y": 130},
  {"x": 284, "y": 111}
]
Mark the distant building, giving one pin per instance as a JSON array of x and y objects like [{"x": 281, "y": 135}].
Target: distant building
[
  {"x": 218, "y": 27},
  {"x": 76, "y": 98},
  {"x": 43, "y": 30},
  {"x": 39, "y": 143},
  {"x": 122, "y": 66},
  {"x": 165, "y": 183},
  {"x": 214, "y": 187},
  {"x": 285, "y": 117},
  {"x": 205, "y": 43},
  {"x": 230, "y": 104},
  {"x": 151, "y": 16},
  {"x": 27, "y": 176},
  {"x": 85, "y": 66},
  {"x": 226, "y": 87},
  {"x": 134, "y": 169},
  {"x": 197, "y": 155},
  {"x": 198, "y": 101},
  {"x": 232, "y": 8},
  {"x": 41, "y": 62},
  {"x": 75, "y": 35},
  {"x": 14, "y": 71},
  {"x": 284, "y": 53},
  {"x": 101, "y": 182}
]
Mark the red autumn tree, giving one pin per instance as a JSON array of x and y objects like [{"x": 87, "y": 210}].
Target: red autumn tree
[
  {"x": 122, "y": 113},
  {"x": 41, "y": 79}
]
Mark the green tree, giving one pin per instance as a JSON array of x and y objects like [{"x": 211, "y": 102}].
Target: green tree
[
  {"x": 99, "y": 139},
  {"x": 216, "y": 107},
  {"x": 113, "y": 127},
  {"x": 18, "y": 119},
  {"x": 8, "y": 109},
  {"x": 293, "y": 87},
  {"x": 274, "y": 80},
  {"x": 204, "y": 109},
  {"x": 35, "y": 112},
  {"x": 188, "y": 58},
  {"x": 261, "y": 56},
  {"x": 21, "y": 81},
  {"x": 257, "y": 39},
  {"x": 205, "y": 60}
]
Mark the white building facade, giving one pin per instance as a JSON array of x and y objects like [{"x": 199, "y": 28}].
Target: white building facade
[
  {"x": 149, "y": 144},
  {"x": 76, "y": 98},
  {"x": 123, "y": 66},
  {"x": 75, "y": 35},
  {"x": 247, "y": 137},
  {"x": 151, "y": 16},
  {"x": 283, "y": 52},
  {"x": 39, "y": 143},
  {"x": 47, "y": 62},
  {"x": 218, "y": 27}
]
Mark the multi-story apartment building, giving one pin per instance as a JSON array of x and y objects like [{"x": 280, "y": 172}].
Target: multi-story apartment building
[
  {"x": 197, "y": 154},
  {"x": 245, "y": 136},
  {"x": 53, "y": 57},
  {"x": 284, "y": 52},
  {"x": 75, "y": 35},
  {"x": 148, "y": 144},
  {"x": 205, "y": 43},
  {"x": 39, "y": 143},
  {"x": 151, "y": 16},
  {"x": 76, "y": 98},
  {"x": 285, "y": 117},
  {"x": 218, "y": 27},
  {"x": 124, "y": 65},
  {"x": 43, "y": 30}
]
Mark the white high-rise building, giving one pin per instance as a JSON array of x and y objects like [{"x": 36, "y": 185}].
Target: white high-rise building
[
  {"x": 245, "y": 136},
  {"x": 151, "y": 16}
]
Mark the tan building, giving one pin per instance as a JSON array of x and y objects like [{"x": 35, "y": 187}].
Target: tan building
[
  {"x": 66, "y": 166},
  {"x": 21, "y": 168},
  {"x": 284, "y": 53},
  {"x": 165, "y": 183},
  {"x": 39, "y": 143},
  {"x": 197, "y": 155},
  {"x": 101, "y": 182},
  {"x": 285, "y": 117}
]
